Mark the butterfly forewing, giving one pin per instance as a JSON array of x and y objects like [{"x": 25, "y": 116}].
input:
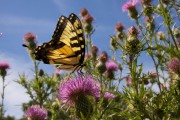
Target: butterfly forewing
[
  {"x": 79, "y": 30},
  {"x": 66, "y": 49}
]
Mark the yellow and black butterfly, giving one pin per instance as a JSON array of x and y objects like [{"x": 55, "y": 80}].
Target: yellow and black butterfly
[{"x": 66, "y": 50}]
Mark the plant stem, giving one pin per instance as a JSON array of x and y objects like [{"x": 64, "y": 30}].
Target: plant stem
[{"x": 2, "y": 102}]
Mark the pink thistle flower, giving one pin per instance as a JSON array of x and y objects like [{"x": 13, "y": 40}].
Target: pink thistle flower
[
  {"x": 70, "y": 90},
  {"x": 57, "y": 72},
  {"x": 119, "y": 27},
  {"x": 129, "y": 81},
  {"x": 35, "y": 112},
  {"x": 29, "y": 36},
  {"x": 103, "y": 56},
  {"x": 111, "y": 66},
  {"x": 178, "y": 41},
  {"x": 174, "y": 65},
  {"x": 109, "y": 95},
  {"x": 88, "y": 19},
  {"x": 88, "y": 55},
  {"x": 130, "y": 4},
  {"x": 153, "y": 75},
  {"x": 4, "y": 65},
  {"x": 83, "y": 12},
  {"x": 30, "y": 41}
]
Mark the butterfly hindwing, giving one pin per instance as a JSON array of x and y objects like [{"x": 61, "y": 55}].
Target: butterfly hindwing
[{"x": 66, "y": 49}]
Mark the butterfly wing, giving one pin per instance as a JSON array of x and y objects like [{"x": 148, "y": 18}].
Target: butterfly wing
[
  {"x": 78, "y": 43},
  {"x": 64, "y": 48}
]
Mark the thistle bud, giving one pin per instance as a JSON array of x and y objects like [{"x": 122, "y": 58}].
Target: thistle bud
[{"x": 176, "y": 33}]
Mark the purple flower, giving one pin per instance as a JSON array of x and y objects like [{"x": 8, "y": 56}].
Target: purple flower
[
  {"x": 83, "y": 12},
  {"x": 35, "y": 112},
  {"x": 71, "y": 89},
  {"x": 119, "y": 27},
  {"x": 103, "y": 56},
  {"x": 88, "y": 55},
  {"x": 130, "y": 4},
  {"x": 4, "y": 65},
  {"x": 174, "y": 65},
  {"x": 111, "y": 66},
  {"x": 1, "y": 34},
  {"x": 30, "y": 41},
  {"x": 29, "y": 36},
  {"x": 109, "y": 95},
  {"x": 87, "y": 19},
  {"x": 129, "y": 81},
  {"x": 57, "y": 72}
]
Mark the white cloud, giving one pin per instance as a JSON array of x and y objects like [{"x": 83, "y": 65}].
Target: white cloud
[
  {"x": 62, "y": 7},
  {"x": 13, "y": 23},
  {"x": 14, "y": 93}
]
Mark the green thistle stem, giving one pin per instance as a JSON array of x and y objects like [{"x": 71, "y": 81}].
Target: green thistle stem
[{"x": 2, "y": 102}]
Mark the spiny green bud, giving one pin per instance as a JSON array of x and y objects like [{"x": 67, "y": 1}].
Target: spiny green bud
[
  {"x": 41, "y": 72},
  {"x": 101, "y": 67}
]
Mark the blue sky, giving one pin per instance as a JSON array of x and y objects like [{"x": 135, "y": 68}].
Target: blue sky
[{"x": 40, "y": 17}]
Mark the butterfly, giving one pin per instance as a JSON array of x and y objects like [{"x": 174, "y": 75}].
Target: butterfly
[{"x": 66, "y": 49}]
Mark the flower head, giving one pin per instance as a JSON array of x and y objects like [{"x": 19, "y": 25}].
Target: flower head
[
  {"x": 88, "y": 55},
  {"x": 83, "y": 12},
  {"x": 1, "y": 34},
  {"x": 111, "y": 66},
  {"x": 35, "y": 112},
  {"x": 109, "y": 95},
  {"x": 119, "y": 27},
  {"x": 71, "y": 89},
  {"x": 87, "y": 19},
  {"x": 29, "y": 36},
  {"x": 174, "y": 65},
  {"x": 30, "y": 40},
  {"x": 178, "y": 41},
  {"x": 130, "y": 4},
  {"x": 3, "y": 67},
  {"x": 103, "y": 57},
  {"x": 57, "y": 73},
  {"x": 129, "y": 81},
  {"x": 161, "y": 35}
]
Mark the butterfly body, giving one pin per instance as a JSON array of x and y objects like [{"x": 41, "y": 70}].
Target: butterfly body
[{"x": 66, "y": 50}]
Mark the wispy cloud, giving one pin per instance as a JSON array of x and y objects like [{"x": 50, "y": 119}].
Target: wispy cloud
[
  {"x": 14, "y": 93},
  {"x": 63, "y": 8},
  {"x": 13, "y": 23}
]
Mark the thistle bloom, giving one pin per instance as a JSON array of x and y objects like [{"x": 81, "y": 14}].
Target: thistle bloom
[
  {"x": 129, "y": 5},
  {"x": 111, "y": 66},
  {"x": 174, "y": 65},
  {"x": 103, "y": 57},
  {"x": 57, "y": 73},
  {"x": 109, "y": 95},
  {"x": 83, "y": 12},
  {"x": 35, "y": 112},
  {"x": 129, "y": 80},
  {"x": 119, "y": 27},
  {"x": 70, "y": 90},
  {"x": 161, "y": 35},
  {"x": 30, "y": 40},
  {"x": 88, "y": 19},
  {"x": 3, "y": 67},
  {"x": 29, "y": 36}
]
